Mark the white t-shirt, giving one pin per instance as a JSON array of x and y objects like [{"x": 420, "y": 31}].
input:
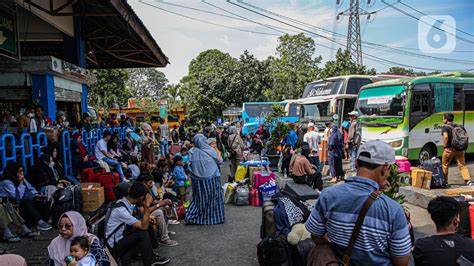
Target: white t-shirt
[
  {"x": 313, "y": 139},
  {"x": 164, "y": 132},
  {"x": 99, "y": 147},
  {"x": 119, "y": 216}
]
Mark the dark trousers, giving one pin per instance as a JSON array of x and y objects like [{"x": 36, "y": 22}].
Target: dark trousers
[
  {"x": 137, "y": 241},
  {"x": 314, "y": 181},
  {"x": 315, "y": 161},
  {"x": 29, "y": 210}
]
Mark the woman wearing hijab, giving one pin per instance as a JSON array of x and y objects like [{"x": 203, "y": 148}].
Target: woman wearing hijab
[
  {"x": 70, "y": 225},
  {"x": 207, "y": 204},
  {"x": 335, "y": 152},
  {"x": 148, "y": 142}
]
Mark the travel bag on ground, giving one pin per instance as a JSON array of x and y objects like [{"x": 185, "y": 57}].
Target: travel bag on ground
[
  {"x": 66, "y": 199},
  {"x": 262, "y": 177},
  {"x": 241, "y": 173},
  {"x": 109, "y": 181},
  {"x": 275, "y": 250},
  {"x": 267, "y": 190},
  {"x": 241, "y": 196},
  {"x": 301, "y": 251},
  {"x": 434, "y": 165},
  {"x": 268, "y": 220},
  {"x": 91, "y": 175}
]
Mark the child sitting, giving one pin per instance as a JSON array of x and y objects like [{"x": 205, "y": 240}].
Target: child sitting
[
  {"x": 133, "y": 168},
  {"x": 180, "y": 176},
  {"x": 80, "y": 253},
  {"x": 184, "y": 155}
]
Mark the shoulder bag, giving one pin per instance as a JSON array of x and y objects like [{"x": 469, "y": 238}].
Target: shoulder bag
[{"x": 323, "y": 255}]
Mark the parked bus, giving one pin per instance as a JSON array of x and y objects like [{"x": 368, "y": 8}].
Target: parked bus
[
  {"x": 408, "y": 113},
  {"x": 254, "y": 113}
]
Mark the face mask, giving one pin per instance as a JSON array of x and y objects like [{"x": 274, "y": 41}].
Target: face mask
[
  {"x": 30, "y": 115},
  {"x": 51, "y": 164}
]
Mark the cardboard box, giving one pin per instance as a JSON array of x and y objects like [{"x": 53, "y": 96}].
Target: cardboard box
[
  {"x": 460, "y": 190},
  {"x": 421, "y": 178},
  {"x": 252, "y": 169},
  {"x": 92, "y": 196}
]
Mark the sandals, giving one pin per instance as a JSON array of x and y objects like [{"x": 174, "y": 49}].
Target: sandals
[
  {"x": 30, "y": 234},
  {"x": 13, "y": 239}
]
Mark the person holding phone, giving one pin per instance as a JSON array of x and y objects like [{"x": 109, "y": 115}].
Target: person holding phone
[{"x": 15, "y": 188}]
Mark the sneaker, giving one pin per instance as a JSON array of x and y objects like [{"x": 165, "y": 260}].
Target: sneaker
[
  {"x": 171, "y": 233},
  {"x": 43, "y": 226},
  {"x": 168, "y": 243},
  {"x": 173, "y": 222},
  {"x": 126, "y": 180},
  {"x": 469, "y": 183},
  {"x": 159, "y": 260}
]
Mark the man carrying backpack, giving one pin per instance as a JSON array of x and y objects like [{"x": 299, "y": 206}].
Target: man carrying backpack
[{"x": 455, "y": 142}]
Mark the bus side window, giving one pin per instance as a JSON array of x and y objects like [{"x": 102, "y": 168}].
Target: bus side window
[
  {"x": 354, "y": 84},
  {"x": 447, "y": 97},
  {"x": 469, "y": 97},
  {"x": 420, "y": 107}
]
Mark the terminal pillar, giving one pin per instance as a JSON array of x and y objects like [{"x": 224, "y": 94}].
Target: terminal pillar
[
  {"x": 43, "y": 93},
  {"x": 84, "y": 98}
]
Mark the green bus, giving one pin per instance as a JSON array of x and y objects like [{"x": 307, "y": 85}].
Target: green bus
[{"x": 408, "y": 113}]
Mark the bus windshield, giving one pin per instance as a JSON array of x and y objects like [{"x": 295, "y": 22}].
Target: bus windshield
[
  {"x": 382, "y": 105},
  {"x": 324, "y": 87},
  {"x": 255, "y": 110},
  {"x": 315, "y": 111}
]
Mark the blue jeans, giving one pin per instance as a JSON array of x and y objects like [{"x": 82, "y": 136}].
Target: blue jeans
[
  {"x": 164, "y": 147},
  {"x": 116, "y": 164},
  {"x": 353, "y": 156}
]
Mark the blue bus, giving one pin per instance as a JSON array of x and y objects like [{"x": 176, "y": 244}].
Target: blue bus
[{"x": 254, "y": 113}]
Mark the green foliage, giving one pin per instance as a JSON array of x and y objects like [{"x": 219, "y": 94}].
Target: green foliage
[
  {"x": 395, "y": 180},
  {"x": 146, "y": 82},
  {"x": 409, "y": 72},
  {"x": 110, "y": 90},
  {"x": 343, "y": 65},
  {"x": 294, "y": 66},
  {"x": 280, "y": 129}
]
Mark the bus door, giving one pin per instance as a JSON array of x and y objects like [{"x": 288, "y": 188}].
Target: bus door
[
  {"x": 469, "y": 112},
  {"x": 421, "y": 127}
]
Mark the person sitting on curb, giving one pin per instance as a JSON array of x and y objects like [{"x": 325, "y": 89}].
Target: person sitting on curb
[
  {"x": 303, "y": 172},
  {"x": 102, "y": 154},
  {"x": 445, "y": 213}
]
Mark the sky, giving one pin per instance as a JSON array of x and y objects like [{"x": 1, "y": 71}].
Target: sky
[{"x": 183, "y": 34}]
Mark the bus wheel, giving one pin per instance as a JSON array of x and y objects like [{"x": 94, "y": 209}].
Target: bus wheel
[{"x": 426, "y": 153}]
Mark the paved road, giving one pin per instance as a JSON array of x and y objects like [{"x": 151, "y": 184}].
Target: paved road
[{"x": 231, "y": 243}]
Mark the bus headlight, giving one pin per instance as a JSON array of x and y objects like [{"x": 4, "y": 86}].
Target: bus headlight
[{"x": 396, "y": 144}]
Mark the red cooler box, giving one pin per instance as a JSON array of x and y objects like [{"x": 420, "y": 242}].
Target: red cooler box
[{"x": 261, "y": 177}]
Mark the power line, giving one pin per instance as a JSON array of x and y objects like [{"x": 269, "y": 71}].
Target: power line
[
  {"x": 208, "y": 22},
  {"x": 395, "y": 50},
  {"x": 424, "y": 14},
  {"x": 332, "y": 40},
  {"x": 424, "y": 22}
]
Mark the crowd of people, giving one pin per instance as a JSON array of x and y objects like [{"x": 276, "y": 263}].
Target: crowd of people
[{"x": 169, "y": 169}]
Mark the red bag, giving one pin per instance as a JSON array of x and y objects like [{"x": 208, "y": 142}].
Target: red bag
[
  {"x": 180, "y": 210},
  {"x": 262, "y": 177},
  {"x": 109, "y": 181},
  {"x": 91, "y": 175}
]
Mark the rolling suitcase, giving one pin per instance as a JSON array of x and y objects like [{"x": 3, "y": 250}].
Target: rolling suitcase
[
  {"x": 268, "y": 220},
  {"x": 109, "y": 181},
  {"x": 434, "y": 165},
  {"x": 91, "y": 175}
]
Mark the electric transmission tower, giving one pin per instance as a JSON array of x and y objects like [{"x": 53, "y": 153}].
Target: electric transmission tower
[{"x": 353, "y": 28}]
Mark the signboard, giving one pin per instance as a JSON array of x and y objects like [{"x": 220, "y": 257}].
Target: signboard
[
  {"x": 163, "y": 111},
  {"x": 7, "y": 33}
]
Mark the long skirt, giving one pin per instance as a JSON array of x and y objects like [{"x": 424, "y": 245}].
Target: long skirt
[
  {"x": 335, "y": 165},
  {"x": 207, "y": 204},
  {"x": 148, "y": 154}
]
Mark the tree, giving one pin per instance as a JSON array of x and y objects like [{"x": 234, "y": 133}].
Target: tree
[
  {"x": 294, "y": 66},
  {"x": 110, "y": 90},
  {"x": 208, "y": 87},
  {"x": 343, "y": 65},
  {"x": 172, "y": 93},
  {"x": 146, "y": 82},
  {"x": 409, "y": 72}
]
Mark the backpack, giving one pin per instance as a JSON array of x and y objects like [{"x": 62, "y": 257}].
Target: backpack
[
  {"x": 66, "y": 199},
  {"x": 434, "y": 166},
  {"x": 241, "y": 196},
  {"x": 275, "y": 250},
  {"x": 301, "y": 251},
  {"x": 459, "y": 137},
  {"x": 128, "y": 228}
]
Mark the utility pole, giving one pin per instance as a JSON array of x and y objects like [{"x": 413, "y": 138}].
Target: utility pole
[{"x": 353, "y": 44}]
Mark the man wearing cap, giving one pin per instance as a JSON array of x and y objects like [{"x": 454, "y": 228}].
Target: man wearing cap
[
  {"x": 354, "y": 139},
  {"x": 313, "y": 139},
  {"x": 384, "y": 237}
]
